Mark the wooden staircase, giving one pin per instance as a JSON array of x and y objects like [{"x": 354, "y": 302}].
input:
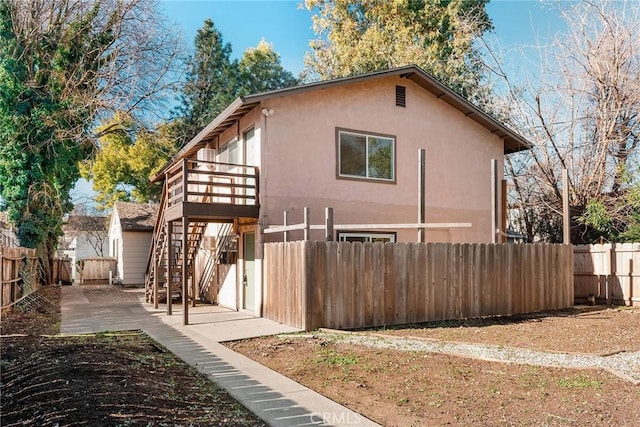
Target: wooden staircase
[{"x": 196, "y": 193}]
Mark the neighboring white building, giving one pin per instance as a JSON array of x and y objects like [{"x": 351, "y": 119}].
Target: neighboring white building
[
  {"x": 130, "y": 235},
  {"x": 85, "y": 236}
]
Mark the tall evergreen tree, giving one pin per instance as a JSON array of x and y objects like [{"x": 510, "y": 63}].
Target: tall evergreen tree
[
  {"x": 214, "y": 80},
  {"x": 211, "y": 82},
  {"x": 260, "y": 70}
]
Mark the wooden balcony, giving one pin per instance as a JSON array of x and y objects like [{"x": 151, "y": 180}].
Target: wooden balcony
[{"x": 211, "y": 191}]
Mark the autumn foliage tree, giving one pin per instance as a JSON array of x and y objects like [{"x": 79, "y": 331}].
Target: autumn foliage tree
[
  {"x": 361, "y": 36},
  {"x": 128, "y": 157}
]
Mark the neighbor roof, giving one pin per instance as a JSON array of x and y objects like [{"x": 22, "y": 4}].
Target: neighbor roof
[
  {"x": 84, "y": 223},
  {"x": 136, "y": 216},
  {"x": 513, "y": 141}
]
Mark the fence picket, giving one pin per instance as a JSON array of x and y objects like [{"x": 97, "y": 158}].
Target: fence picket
[{"x": 364, "y": 285}]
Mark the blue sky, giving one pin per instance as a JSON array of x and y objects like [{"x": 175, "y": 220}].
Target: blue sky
[
  {"x": 243, "y": 23},
  {"x": 286, "y": 25}
]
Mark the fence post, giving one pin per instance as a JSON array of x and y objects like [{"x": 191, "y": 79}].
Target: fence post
[
  {"x": 328, "y": 222},
  {"x": 422, "y": 198},
  {"x": 494, "y": 201},
  {"x": 566, "y": 224},
  {"x": 307, "y": 215},
  {"x": 285, "y": 235},
  {"x": 610, "y": 253}
]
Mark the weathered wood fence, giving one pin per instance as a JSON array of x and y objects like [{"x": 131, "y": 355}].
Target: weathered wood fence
[
  {"x": 18, "y": 274},
  {"x": 355, "y": 285},
  {"x": 62, "y": 271},
  {"x": 97, "y": 270},
  {"x": 610, "y": 272}
]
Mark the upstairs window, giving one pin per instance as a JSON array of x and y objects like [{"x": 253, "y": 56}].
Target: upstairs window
[{"x": 366, "y": 156}]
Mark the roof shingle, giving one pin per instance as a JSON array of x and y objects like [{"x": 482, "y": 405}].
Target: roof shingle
[{"x": 137, "y": 216}]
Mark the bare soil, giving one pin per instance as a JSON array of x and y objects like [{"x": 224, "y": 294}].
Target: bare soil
[
  {"x": 586, "y": 329},
  {"x": 397, "y": 388},
  {"x": 122, "y": 378}
]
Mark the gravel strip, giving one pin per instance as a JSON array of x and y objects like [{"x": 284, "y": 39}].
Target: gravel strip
[{"x": 625, "y": 364}]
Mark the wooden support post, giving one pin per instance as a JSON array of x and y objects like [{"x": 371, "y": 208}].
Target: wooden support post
[
  {"x": 192, "y": 273},
  {"x": 185, "y": 179},
  {"x": 504, "y": 210},
  {"x": 156, "y": 268},
  {"x": 185, "y": 270},
  {"x": 328, "y": 224},
  {"x": 285, "y": 234},
  {"x": 494, "y": 201},
  {"x": 422, "y": 200},
  {"x": 566, "y": 220},
  {"x": 307, "y": 216},
  {"x": 169, "y": 266}
]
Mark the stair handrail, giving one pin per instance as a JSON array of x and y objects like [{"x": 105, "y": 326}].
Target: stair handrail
[{"x": 158, "y": 229}]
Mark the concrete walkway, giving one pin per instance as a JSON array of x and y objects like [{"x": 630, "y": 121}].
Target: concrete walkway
[{"x": 275, "y": 398}]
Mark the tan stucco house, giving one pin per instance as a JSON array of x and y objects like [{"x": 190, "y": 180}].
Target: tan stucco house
[
  {"x": 130, "y": 235},
  {"x": 350, "y": 144}
]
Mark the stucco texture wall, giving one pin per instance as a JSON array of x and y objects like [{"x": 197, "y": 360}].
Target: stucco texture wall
[{"x": 299, "y": 160}]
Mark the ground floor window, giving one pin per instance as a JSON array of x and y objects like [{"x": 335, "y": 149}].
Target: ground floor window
[{"x": 366, "y": 237}]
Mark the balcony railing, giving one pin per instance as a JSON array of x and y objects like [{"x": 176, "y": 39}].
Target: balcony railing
[{"x": 203, "y": 182}]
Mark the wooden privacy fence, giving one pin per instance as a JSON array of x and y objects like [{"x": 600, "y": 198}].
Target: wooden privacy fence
[
  {"x": 97, "y": 270},
  {"x": 18, "y": 274},
  {"x": 356, "y": 285},
  {"x": 609, "y": 272},
  {"x": 62, "y": 271}
]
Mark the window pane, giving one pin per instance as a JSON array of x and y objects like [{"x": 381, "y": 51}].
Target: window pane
[
  {"x": 380, "y": 158},
  {"x": 233, "y": 152},
  {"x": 250, "y": 147},
  {"x": 353, "y": 155}
]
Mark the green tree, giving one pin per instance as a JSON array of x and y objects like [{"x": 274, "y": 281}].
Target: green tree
[
  {"x": 62, "y": 64},
  {"x": 128, "y": 157},
  {"x": 214, "y": 80},
  {"x": 260, "y": 70},
  {"x": 211, "y": 82},
  {"x": 360, "y": 36}
]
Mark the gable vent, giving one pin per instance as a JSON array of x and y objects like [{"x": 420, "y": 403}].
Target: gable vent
[{"x": 401, "y": 96}]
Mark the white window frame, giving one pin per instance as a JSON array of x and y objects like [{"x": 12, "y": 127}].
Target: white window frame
[
  {"x": 226, "y": 150},
  {"x": 368, "y": 236},
  {"x": 366, "y": 135}
]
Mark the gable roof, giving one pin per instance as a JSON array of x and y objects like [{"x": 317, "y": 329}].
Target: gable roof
[
  {"x": 513, "y": 141},
  {"x": 136, "y": 216}
]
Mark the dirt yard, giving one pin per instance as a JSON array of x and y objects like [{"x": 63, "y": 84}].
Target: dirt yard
[
  {"x": 403, "y": 388},
  {"x": 127, "y": 379},
  {"x": 102, "y": 380}
]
